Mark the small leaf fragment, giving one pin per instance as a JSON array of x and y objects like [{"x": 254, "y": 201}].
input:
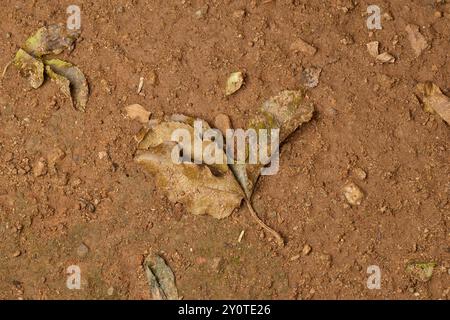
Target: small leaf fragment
[
  {"x": 161, "y": 279},
  {"x": 434, "y": 101},
  {"x": 234, "y": 83},
  {"x": 422, "y": 271},
  {"x": 78, "y": 84},
  {"x": 51, "y": 39},
  {"x": 62, "y": 82},
  {"x": 138, "y": 112},
  {"x": 30, "y": 67}
]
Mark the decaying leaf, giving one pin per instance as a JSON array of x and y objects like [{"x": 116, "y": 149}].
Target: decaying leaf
[
  {"x": 216, "y": 189},
  {"x": 422, "y": 271},
  {"x": 200, "y": 188},
  {"x": 286, "y": 111},
  {"x": 78, "y": 84},
  {"x": 30, "y": 67},
  {"x": 234, "y": 83},
  {"x": 160, "y": 278},
  {"x": 138, "y": 112},
  {"x": 416, "y": 39},
  {"x": 434, "y": 101},
  {"x": 51, "y": 39},
  {"x": 31, "y": 63}
]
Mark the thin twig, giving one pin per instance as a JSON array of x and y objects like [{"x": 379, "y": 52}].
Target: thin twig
[
  {"x": 254, "y": 215},
  {"x": 6, "y": 68}
]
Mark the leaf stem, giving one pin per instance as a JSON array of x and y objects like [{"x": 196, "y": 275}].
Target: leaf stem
[{"x": 254, "y": 215}]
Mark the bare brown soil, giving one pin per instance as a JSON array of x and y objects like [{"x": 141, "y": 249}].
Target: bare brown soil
[{"x": 367, "y": 118}]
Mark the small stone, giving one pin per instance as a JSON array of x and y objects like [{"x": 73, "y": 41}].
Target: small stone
[
  {"x": 8, "y": 156},
  {"x": 201, "y": 13},
  {"x": 17, "y": 253},
  {"x": 153, "y": 78},
  {"x": 360, "y": 173},
  {"x": 223, "y": 123},
  {"x": 234, "y": 82},
  {"x": 353, "y": 194},
  {"x": 217, "y": 264},
  {"x": 438, "y": 14},
  {"x": 239, "y": 14},
  {"x": 8, "y": 35},
  {"x": 385, "y": 57},
  {"x": 310, "y": 77},
  {"x": 300, "y": 45},
  {"x": 296, "y": 257},
  {"x": 40, "y": 168},
  {"x": 55, "y": 155},
  {"x": 306, "y": 250},
  {"x": 102, "y": 155},
  {"x": 110, "y": 291},
  {"x": 82, "y": 250},
  {"x": 372, "y": 48}
]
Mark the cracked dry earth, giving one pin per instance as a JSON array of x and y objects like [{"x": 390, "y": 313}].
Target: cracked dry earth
[{"x": 70, "y": 193}]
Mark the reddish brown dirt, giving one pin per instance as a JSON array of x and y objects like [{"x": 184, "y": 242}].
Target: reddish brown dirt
[{"x": 362, "y": 121}]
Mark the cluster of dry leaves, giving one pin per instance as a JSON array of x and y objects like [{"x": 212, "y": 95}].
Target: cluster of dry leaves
[{"x": 33, "y": 61}]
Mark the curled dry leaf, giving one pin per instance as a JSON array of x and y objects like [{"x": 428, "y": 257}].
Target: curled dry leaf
[
  {"x": 138, "y": 112},
  {"x": 160, "y": 278},
  {"x": 30, "y": 61},
  {"x": 416, "y": 39},
  {"x": 52, "y": 39},
  {"x": 30, "y": 67},
  {"x": 79, "y": 88},
  {"x": 434, "y": 101},
  {"x": 234, "y": 83}
]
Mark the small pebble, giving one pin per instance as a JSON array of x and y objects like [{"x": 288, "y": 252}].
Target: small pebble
[
  {"x": 306, "y": 250},
  {"x": 82, "y": 250}
]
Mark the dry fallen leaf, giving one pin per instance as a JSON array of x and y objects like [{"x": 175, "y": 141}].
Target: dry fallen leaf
[
  {"x": 30, "y": 67},
  {"x": 160, "y": 278},
  {"x": 215, "y": 189},
  {"x": 416, "y": 39},
  {"x": 52, "y": 39},
  {"x": 138, "y": 112},
  {"x": 30, "y": 61},
  {"x": 79, "y": 88},
  {"x": 234, "y": 83},
  {"x": 434, "y": 100},
  {"x": 200, "y": 188}
]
